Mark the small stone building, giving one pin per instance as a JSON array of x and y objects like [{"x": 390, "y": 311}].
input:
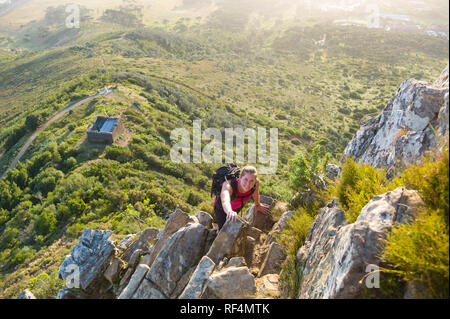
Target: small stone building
[{"x": 105, "y": 129}]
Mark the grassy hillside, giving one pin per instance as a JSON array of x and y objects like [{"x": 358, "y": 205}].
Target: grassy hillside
[{"x": 228, "y": 72}]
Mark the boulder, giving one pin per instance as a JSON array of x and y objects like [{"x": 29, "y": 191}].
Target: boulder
[
  {"x": 26, "y": 294},
  {"x": 69, "y": 293},
  {"x": 259, "y": 220},
  {"x": 181, "y": 252},
  {"x": 236, "y": 262},
  {"x": 205, "y": 219},
  {"x": 88, "y": 260},
  {"x": 230, "y": 241},
  {"x": 250, "y": 246},
  {"x": 231, "y": 283},
  {"x": 335, "y": 255},
  {"x": 182, "y": 282},
  {"x": 126, "y": 241},
  {"x": 267, "y": 286},
  {"x": 254, "y": 232},
  {"x": 177, "y": 220},
  {"x": 143, "y": 241},
  {"x": 401, "y": 134},
  {"x": 130, "y": 270},
  {"x": 148, "y": 290},
  {"x": 136, "y": 278},
  {"x": 197, "y": 284},
  {"x": 273, "y": 260},
  {"x": 212, "y": 234},
  {"x": 135, "y": 281},
  {"x": 113, "y": 271},
  {"x": 278, "y": 227}
]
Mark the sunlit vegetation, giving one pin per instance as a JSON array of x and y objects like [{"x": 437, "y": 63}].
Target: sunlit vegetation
[{"x": 168, "y": 73}]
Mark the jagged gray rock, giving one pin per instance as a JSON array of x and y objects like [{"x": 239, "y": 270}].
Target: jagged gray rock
[
  {"x": 181, "y": 252},
  {"x": 177, "y": 220},
  {"x": 332, "y": 171},
  {"x": 231, "y": 283},
  {"x": 88, "y": 260},
  {"x": 335, "y": 255},
  {"x": 26, "y": 294},
  {"x": 205, "y": 219},
  {"x": 278, "y": 227},
  {"x": 230, "y": 241},
  {"x": 142, "y": 240},
  {"x": 259, "y": 220},
  {"x": 197, "y": 284},
  {"x": 273, "y": 260},
  {"x": 136, "y": 279},
  {"x": 404, "y": 130}
]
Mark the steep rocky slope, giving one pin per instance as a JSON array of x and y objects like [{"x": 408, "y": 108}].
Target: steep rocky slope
[
  {"x": 190, "y": 259},
  {"x": 408, "y": 126}
]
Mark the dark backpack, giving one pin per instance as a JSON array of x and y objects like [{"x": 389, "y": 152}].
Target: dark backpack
[{"x": 229, "y": 172}]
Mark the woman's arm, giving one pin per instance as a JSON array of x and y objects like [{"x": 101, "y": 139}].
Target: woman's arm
[
  {"x": 258, "y": 206},
  {"x": 225, "y": 197},
  {"x": 255, "y": 195}
]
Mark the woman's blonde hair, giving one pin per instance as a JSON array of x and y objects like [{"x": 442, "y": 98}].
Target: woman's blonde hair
[{"x": 248, "y": 170}]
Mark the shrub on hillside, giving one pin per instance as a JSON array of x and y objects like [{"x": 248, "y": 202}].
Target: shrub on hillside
[
  {"x": 45, "y": 286},
  {"x": 357, "y": 184},
  {"x": 419, "y": 251},
  {"x": 292, "y": 238},
  {"x": 118, "y": 153}
]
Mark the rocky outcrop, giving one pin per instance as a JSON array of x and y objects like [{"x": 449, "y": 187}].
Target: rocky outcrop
[
  {"x": 267, "y": 286},
  {"x": 26, "y": 294},
  {"x": 180, "y": 253},
  {"x": 257, "y": 220},
  {"x": 406, "y": 128},
  {"x": 230, "y": 241},
  {"x": 272, "y": 262},
  {"x": 335, "y": 256},
  {"x": 196, "y": 286},
  {"x": 88, "y": 260},
  {"x": 188, "y": 259},
  {"x": 231, "y": 283}
]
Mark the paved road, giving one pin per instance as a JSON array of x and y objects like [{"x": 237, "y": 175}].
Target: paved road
[{"x": 43, "y": 127}]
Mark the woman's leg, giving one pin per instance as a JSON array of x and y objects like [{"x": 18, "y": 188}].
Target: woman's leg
[{"x": 221, "y": 217}]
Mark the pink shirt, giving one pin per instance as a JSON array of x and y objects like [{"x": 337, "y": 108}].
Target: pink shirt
[{"x": 235, "y": 204}]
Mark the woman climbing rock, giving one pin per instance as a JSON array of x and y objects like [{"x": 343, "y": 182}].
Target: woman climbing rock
[{"x": 235, "y": 192}]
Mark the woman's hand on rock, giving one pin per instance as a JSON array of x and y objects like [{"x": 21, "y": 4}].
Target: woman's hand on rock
[{"x": 262, "y": 208}]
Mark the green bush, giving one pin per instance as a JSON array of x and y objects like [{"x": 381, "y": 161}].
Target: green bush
[
  {"x": 46, "y": 223},
  {"x": 18, "y": 175},
  {"x": 419, "y": 251},
  {"x": 75, "y": 230},
  {"x": 194, "y": 199},
  {"x": 292, "y": 238},
  {"x": 305, "y": 170},
  {"x": 69, "y": 163},
  {"x": 77, "y": 206},
  {"x": 9, "y": 238},
  {"x": 118, "y": 153},
  {"x": 46, "y": 180},
  {"x": 430, "y": 179},
  {"x": 45, "y": 286},
  {"x": 357, "y": 184},
  {"x": 4, "y": 216}
]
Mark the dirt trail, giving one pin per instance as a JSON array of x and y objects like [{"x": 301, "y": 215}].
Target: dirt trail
[{"x": 31, "y": 139}]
